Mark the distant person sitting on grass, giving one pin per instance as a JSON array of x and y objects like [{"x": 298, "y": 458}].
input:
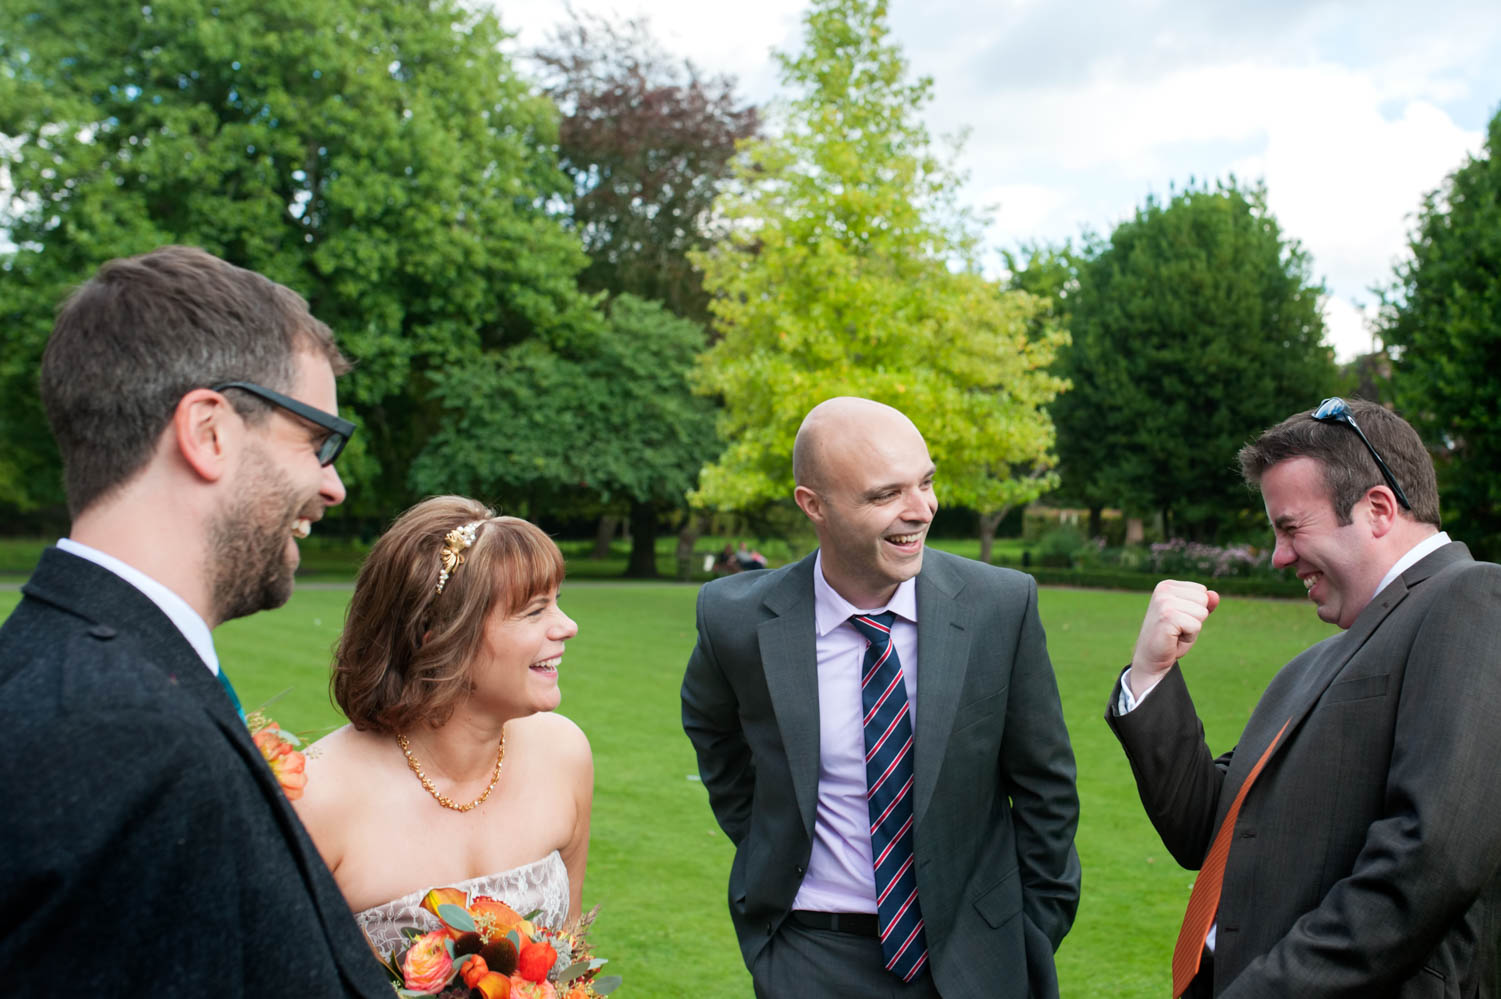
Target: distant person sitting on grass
[
  {"x": 145, "y": 846},
  {"x": 725, "y": 563},
  {"x": 745, "y": 558}
]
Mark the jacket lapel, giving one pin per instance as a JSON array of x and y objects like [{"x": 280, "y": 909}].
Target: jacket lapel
[
  {"x": 789, "y": 660},
  {"x": 943, "y": 646},
  {"x": 1305, "y": 685}
]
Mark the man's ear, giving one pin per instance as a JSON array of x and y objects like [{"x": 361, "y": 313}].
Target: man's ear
[
  {"x": 206, "y": 430},
  {"x": 809, "y": 502},
  {"x": 1384, "y": 509}
]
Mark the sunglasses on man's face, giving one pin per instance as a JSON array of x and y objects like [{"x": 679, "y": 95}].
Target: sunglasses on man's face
[
  {"x": 1336, "y": 410},
  {"x": 339, "y": 429}
]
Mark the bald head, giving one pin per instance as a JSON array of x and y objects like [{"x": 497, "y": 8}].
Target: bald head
[
  {"x": 865, "y": 480},
  {"x": 842, "y": 421}
]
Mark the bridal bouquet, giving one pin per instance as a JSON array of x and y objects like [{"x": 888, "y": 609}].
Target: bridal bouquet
[{"x": 485, "y": 949}]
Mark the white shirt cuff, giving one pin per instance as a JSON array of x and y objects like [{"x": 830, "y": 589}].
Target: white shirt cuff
[{"x": 1128, "y": 702}]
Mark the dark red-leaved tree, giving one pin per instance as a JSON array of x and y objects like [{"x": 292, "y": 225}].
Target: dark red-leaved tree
[{"x": 647, "y": 141}]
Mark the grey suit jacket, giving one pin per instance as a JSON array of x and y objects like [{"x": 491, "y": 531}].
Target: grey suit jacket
[
  {"x": 994, "y": 797},
  {"x": 1366, "y": 854},
  {"x": 145, "y": 847}
]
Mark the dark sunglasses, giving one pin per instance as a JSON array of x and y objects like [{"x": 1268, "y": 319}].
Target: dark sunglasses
[
  {"x": 1336, "y": 410},
  {"x": 339, "y": 429}
]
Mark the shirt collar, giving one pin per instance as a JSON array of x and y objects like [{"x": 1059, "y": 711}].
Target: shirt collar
[
  {"x": 830, "y": 610},
  {"x": 193, "y": 627},
  {"x": 1414, "y": 555}
]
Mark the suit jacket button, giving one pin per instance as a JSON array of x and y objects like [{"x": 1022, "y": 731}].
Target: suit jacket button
[
  {"x": 102, "y": 631},
  {"x": 799, "y": 869},
  {"x": 769, "y": 929}
]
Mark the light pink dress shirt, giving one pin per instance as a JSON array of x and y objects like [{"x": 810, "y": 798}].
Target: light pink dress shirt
[{"x": 839, "y": 877}]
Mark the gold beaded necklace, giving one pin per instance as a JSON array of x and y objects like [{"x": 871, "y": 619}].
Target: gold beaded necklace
[{"x": 443, "y": 799}]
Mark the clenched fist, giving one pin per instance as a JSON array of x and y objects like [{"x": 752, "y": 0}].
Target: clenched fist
[{"x": 1173, "y": 622}]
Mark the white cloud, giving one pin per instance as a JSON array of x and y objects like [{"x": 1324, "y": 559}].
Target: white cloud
[
  {"x": 1028, "y": 211},
  {"x": 1347, "y": 326}
]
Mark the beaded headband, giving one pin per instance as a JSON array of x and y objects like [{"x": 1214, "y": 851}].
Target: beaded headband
[{"x": 455, "y": 543}]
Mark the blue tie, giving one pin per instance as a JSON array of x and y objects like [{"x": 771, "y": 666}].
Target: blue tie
[
  {"x": 888, "y": 776},
  {"x": 233, "y": 697}
]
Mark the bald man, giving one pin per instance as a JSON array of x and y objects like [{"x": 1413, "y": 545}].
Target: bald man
[{"x": 879, "y": 730}]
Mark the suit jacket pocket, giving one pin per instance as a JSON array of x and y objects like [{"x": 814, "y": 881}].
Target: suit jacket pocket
[
  {"x": 976, "y": 712},
  {"x": 1000, "y": 903},
  {"x": 1358, "y": 688}
]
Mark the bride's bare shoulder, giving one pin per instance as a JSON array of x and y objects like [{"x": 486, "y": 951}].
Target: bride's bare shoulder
[
  {"x": 340, "y": 767},
  {"x": 551, "y": 733}
]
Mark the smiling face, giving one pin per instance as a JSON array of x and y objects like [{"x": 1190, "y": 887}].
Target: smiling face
[
  {"x": 516, "y": 671},
  {"x": 870, "y": 496},
  {"x": 280, "y": 490},
  {"x": 1338, "y": 564}
]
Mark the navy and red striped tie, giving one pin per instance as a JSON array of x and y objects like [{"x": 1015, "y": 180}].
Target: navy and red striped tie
[{"x": 888, "y": 776}]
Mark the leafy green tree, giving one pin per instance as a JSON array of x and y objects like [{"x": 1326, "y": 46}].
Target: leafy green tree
[
  {"x": 385, "y": 160},
  {"x": 1443, "y": 324},
  {"x": 848, "y": 269},
  {"x": 610, "y": 417},
  {"x": 1194, "y": 327}
]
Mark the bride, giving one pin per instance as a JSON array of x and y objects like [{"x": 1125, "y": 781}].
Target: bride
[{"x": 454, "y": 770}]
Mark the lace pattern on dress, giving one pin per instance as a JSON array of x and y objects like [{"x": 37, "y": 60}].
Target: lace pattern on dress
[{"x": 542, "y": 884}]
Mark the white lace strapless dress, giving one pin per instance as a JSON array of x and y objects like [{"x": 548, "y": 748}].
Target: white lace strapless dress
[{"x": 542, "y": 884}]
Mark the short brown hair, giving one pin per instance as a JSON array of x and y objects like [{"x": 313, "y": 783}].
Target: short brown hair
[
  {"x": 1349, "y": 469},
  {"x": 406, "y": 651},
  {"x": 142, "y": 333}
]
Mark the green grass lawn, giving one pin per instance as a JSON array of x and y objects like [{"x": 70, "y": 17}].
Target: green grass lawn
[{"x": 658, "y": 863}]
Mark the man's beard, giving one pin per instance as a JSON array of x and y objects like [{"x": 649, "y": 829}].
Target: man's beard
[{"x": 248, "y": 543}]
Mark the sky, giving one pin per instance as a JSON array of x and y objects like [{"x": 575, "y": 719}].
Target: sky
[{"x": 1076, "y": 112}]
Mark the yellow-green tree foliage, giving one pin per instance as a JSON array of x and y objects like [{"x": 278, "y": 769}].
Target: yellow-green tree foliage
[{"x": 847, "y": 269}]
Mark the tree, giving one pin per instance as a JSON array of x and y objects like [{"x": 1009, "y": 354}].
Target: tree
[
  {"x": 611, "y": 416},
  {"x": 1442, "y": 321},
  {"x": 1194, "y": 327},
  {"x": 647, "y": 144},
  {"x": 848, "y": 269},
  {"x": 382, "y": 159}
]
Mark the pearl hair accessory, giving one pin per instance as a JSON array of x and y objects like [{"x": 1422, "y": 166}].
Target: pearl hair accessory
[{"x": 455, "y": 543}]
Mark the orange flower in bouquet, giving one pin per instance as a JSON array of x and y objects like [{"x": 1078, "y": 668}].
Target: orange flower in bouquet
[
  {"x": 280, "y": 751},
  {"x": 491, "y": 948},
  {"x": 428, "y": 965}
]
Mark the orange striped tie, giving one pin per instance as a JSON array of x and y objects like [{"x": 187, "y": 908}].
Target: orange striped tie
[{"x": 1204, "y": 901}]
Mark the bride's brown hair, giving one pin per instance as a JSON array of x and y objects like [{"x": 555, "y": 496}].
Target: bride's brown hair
[{"x": 405, "y": 653}]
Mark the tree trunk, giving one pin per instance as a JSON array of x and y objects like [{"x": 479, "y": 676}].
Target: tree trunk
[
  {"x": 603, "y": 535},
  {"x": 988, "y": 523},
  {"x": 1096, "y": 522},
  {"x": 643, "y": 563},
  {"x": 693, "y": 525}
]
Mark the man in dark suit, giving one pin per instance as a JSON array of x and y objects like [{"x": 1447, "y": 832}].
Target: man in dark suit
[
  {"x": 145, "y": 847},
  {"x": 883, "y": 850},
  {"x": 1361, "y": 856}
]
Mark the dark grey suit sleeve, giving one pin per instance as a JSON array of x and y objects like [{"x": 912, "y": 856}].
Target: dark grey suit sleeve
[
  {"x": 711, "y": 718},
  {"x": 1038, "y": 768},
  {"x": 1178, "y": 780},
  {"x": 1429, "y": 857}
]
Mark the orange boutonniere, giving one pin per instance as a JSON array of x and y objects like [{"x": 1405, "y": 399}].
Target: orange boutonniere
[{"x": 280, "y": 750}]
